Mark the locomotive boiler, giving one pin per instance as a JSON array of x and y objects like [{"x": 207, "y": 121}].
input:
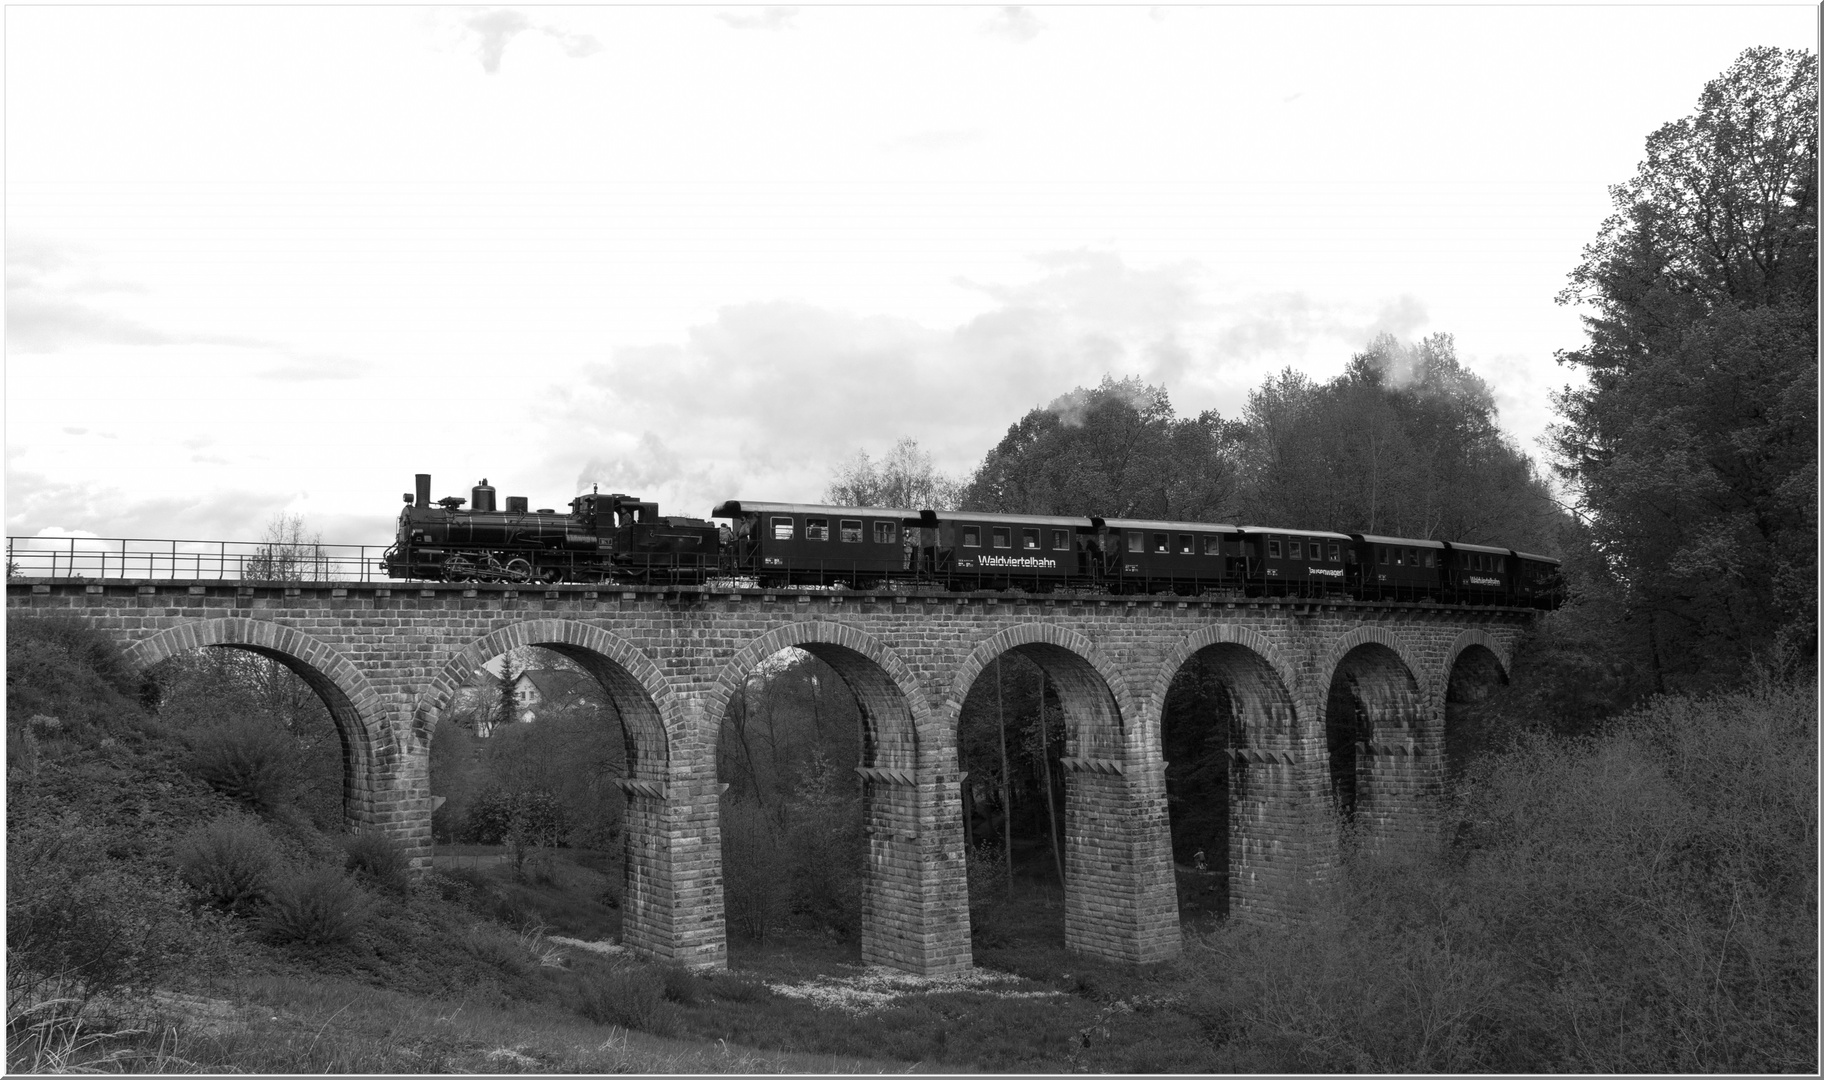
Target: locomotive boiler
[{"x": 602, "y": 538}]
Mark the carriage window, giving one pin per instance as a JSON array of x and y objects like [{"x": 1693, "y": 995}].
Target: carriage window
[
  {"x": 1136, "y": 542},
  {"x": 1003, "y": 538},
  {"x": 972, "y": 536},
  {"x": 1060, "y": 540},
  {"x": 1412, "y": 556},
  {"x": 1431, "y": 559},
  {"x": 883, "y": 532},
  {"x": 1185, "y": 544},
  {"x": 782, "y": 528},
  {"x": 1384, "y": 556},
  {"x": 851, "y": 531},
  {"x": 1272, "y": 549},
  {"x": 1212, "y": 545},
  {"x": 1351, "y": 557},
  {"x": 1162, "y": 543},
  {"x": 1029, "y": 539},
  {"x": 1336, "y": 554},
  {"x": 1500, "y": 564},
  {"x": 1295, "y": 550},
  {"x": 816, "y": 528}
]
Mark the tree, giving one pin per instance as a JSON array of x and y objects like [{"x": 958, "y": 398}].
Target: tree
[
  {"x": 1406, "y": 442},
  {"x": 1115, "y": 451},
  {"x": 288, "y": 553},
  {"x": 1691, "y": 450},
  {"x": 905, "y": 478}
]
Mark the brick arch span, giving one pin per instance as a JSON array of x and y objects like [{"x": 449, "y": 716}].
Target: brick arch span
[
  {"x": 1264, "y": 655},
  {"x": 894, "y": 705},
  {"x": 1470, "y": 646},
  {"x": 1369, "y": 635},
  {"x": 633, "y": 681},
  {"x": 370, "y": 754},
  {"x": 1097, "y": 703}
]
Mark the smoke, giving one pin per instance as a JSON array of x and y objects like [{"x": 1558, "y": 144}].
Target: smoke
[
  {"x": 772, "y": 18},
  {"x": 1015, "y": 24},
  {"x": 1072, "y": 408},
  {"x": 496, "y": 28}
]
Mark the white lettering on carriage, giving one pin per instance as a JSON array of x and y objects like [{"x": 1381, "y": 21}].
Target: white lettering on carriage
[
  {"x": 1326, "y": 572},
  {"x": 1024, "y": 562},
  {"x": 1485, "y": 581}
]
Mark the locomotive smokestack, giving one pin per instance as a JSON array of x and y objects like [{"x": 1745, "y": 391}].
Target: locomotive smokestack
[{"x": 424, "y": 490}]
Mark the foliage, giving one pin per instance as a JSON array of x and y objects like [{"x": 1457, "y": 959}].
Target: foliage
[
  {"x": 315, "y": 908},
  {"x": 501, "y": 815},
  {"x": 1405, "y": 442},
  {"x": 80, "y": 923},
  {"x": 905, "y": 479},
  {"x": 1115, "y": 451},
  {"x": 823, "y": 838},
  {"x": 252, "y": 762},
  {"x": 287, "y": 553},
  {"x": 371, "y": 854},
  {"x": 229, "y": 862},
  {"x": 632, "y": 996},
  {"x": 1692, "y": 447},
  {"x": 73, "y": 674},
  {"x": 755, "y": 891},
  {"x": 245, "y": 711}
]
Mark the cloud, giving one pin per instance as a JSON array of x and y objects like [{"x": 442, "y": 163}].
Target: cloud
[
  {"x": 1015, "y": 24},
  {"x": 575, "y": 46},
  {"x": 1401, "y": 317},
  {"x": 495, "y": 28},
  {"x": 772, "y": 18}
]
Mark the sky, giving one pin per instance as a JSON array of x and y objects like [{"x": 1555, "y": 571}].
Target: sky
[{"x": 276, "y": 260}]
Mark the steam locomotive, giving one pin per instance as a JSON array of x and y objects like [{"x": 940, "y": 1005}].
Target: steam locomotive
[{"x": 619, "y": 539}]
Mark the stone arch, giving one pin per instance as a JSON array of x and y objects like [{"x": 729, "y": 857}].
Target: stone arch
[
  {"x": 371, "y": 758},
  {"x": 893, "y": 702},
  {"x": 1258, "y": 717},
  {"x": 1220, "y": 634},
  {"x": 1381, "y": 748},
  {"x": 1476, "y": 643},
  {"x": 1119, "y": 898},
  {"x": 1100, "y": 714},
  {"x": 911, "y": 917},
  {"x": 634, "y": 683}
]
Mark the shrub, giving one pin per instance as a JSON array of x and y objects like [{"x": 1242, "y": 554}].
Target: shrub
[
  {"x": 680, "y": 986},
  {"x": 500, "y": 816},
  {"x": 756, "y": 878},
  {"x": 631, "y": 996},
  {"x": 79, "y": 923},
  {"x": 370, "y": 853},
  {"x": 316, "y": 908},
  {"x": 824, "y": 839},
  {"x": 229, "y": 861},
  {"x": 252, "y": 762}
]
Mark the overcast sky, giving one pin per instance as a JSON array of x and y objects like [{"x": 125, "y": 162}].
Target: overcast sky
[{"x": 265, "y": 260}]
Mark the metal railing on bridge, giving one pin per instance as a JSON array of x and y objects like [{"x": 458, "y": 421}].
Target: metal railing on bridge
[{"x": 106, "y": 557}]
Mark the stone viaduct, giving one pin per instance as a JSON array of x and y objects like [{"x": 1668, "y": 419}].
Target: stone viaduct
[{"x": 386, "y": 659}]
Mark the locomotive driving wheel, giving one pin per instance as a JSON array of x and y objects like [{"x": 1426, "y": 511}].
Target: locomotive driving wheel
[
  {"x": 458, "y": 568},
  {"x": 519, "y": 569}
]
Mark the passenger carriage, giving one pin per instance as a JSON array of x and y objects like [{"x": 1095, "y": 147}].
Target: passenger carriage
[
  {"x": 1294, "y": 562},
  {"x": 1180, "y": 557},
  {"x": 1395, "y": 568},
  {"x": 1035, "y": 553},
  {"x": 811, "y": 544}
]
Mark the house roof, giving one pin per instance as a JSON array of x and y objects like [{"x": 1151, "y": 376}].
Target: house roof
[{"x": 556, "y": 684}]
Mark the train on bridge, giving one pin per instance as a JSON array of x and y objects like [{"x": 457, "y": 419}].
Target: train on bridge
[{"x": 620, "y": 539}]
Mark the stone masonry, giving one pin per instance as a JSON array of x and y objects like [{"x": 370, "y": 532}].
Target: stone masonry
[{"x": 386, "y": 659}]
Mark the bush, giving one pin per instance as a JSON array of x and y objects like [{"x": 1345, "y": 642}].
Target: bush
[
  {"x": 756, "y": 879},
  {"x": 500, "y": 816},
  {"x": 229, "y": 861},
  {"x": 252, "y": 762},
  {"x": 79, "y": 923},
  {"x": 316, "y": 908},
  {"x": 370, "y": 853},
  {"x": 631, "y": 996}
]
